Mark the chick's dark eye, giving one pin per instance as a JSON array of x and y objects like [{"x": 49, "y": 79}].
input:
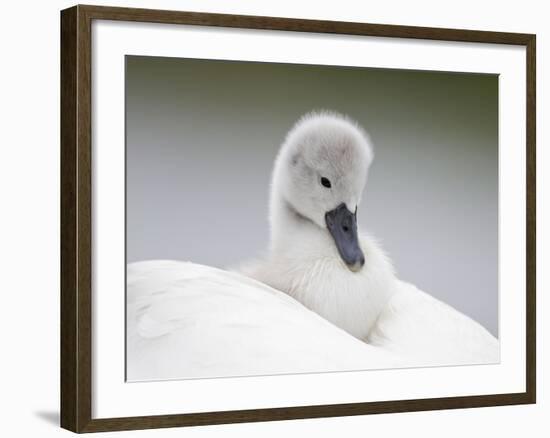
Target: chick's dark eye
[{"x": 325, "y": 182}]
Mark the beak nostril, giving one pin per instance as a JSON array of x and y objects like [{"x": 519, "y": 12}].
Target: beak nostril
[{"x": 345, "y": 228}]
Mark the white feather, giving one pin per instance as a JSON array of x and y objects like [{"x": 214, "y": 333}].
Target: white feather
[
  {"x": 190, "y": 321},
  {"x": 427, "y": 331}
]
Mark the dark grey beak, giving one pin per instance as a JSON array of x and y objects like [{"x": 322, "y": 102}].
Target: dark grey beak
[{"x": 342, "y": 225}]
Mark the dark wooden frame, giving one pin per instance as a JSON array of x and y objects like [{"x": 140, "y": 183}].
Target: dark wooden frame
[{"x": 76, "y": 236}]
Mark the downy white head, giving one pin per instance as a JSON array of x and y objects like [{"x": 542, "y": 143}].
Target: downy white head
[
  {"x": 319, "y": 177},
  {"x": 316, "y": 253}
]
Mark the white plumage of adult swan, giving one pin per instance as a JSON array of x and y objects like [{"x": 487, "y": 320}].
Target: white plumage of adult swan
[{"x": 324, "y": 298}]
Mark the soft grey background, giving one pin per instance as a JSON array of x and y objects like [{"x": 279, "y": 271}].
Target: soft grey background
[{"x": 202, "y": 136}]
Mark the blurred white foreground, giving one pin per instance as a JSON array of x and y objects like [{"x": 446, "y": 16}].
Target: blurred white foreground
[{"x": 192, "y": 321}]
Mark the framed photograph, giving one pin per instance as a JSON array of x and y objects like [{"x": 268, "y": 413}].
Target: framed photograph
[{"x": 271, "y": 218}]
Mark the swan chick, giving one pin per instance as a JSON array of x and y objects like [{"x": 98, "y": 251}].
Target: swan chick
[{"x": 317, "y": 254}]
